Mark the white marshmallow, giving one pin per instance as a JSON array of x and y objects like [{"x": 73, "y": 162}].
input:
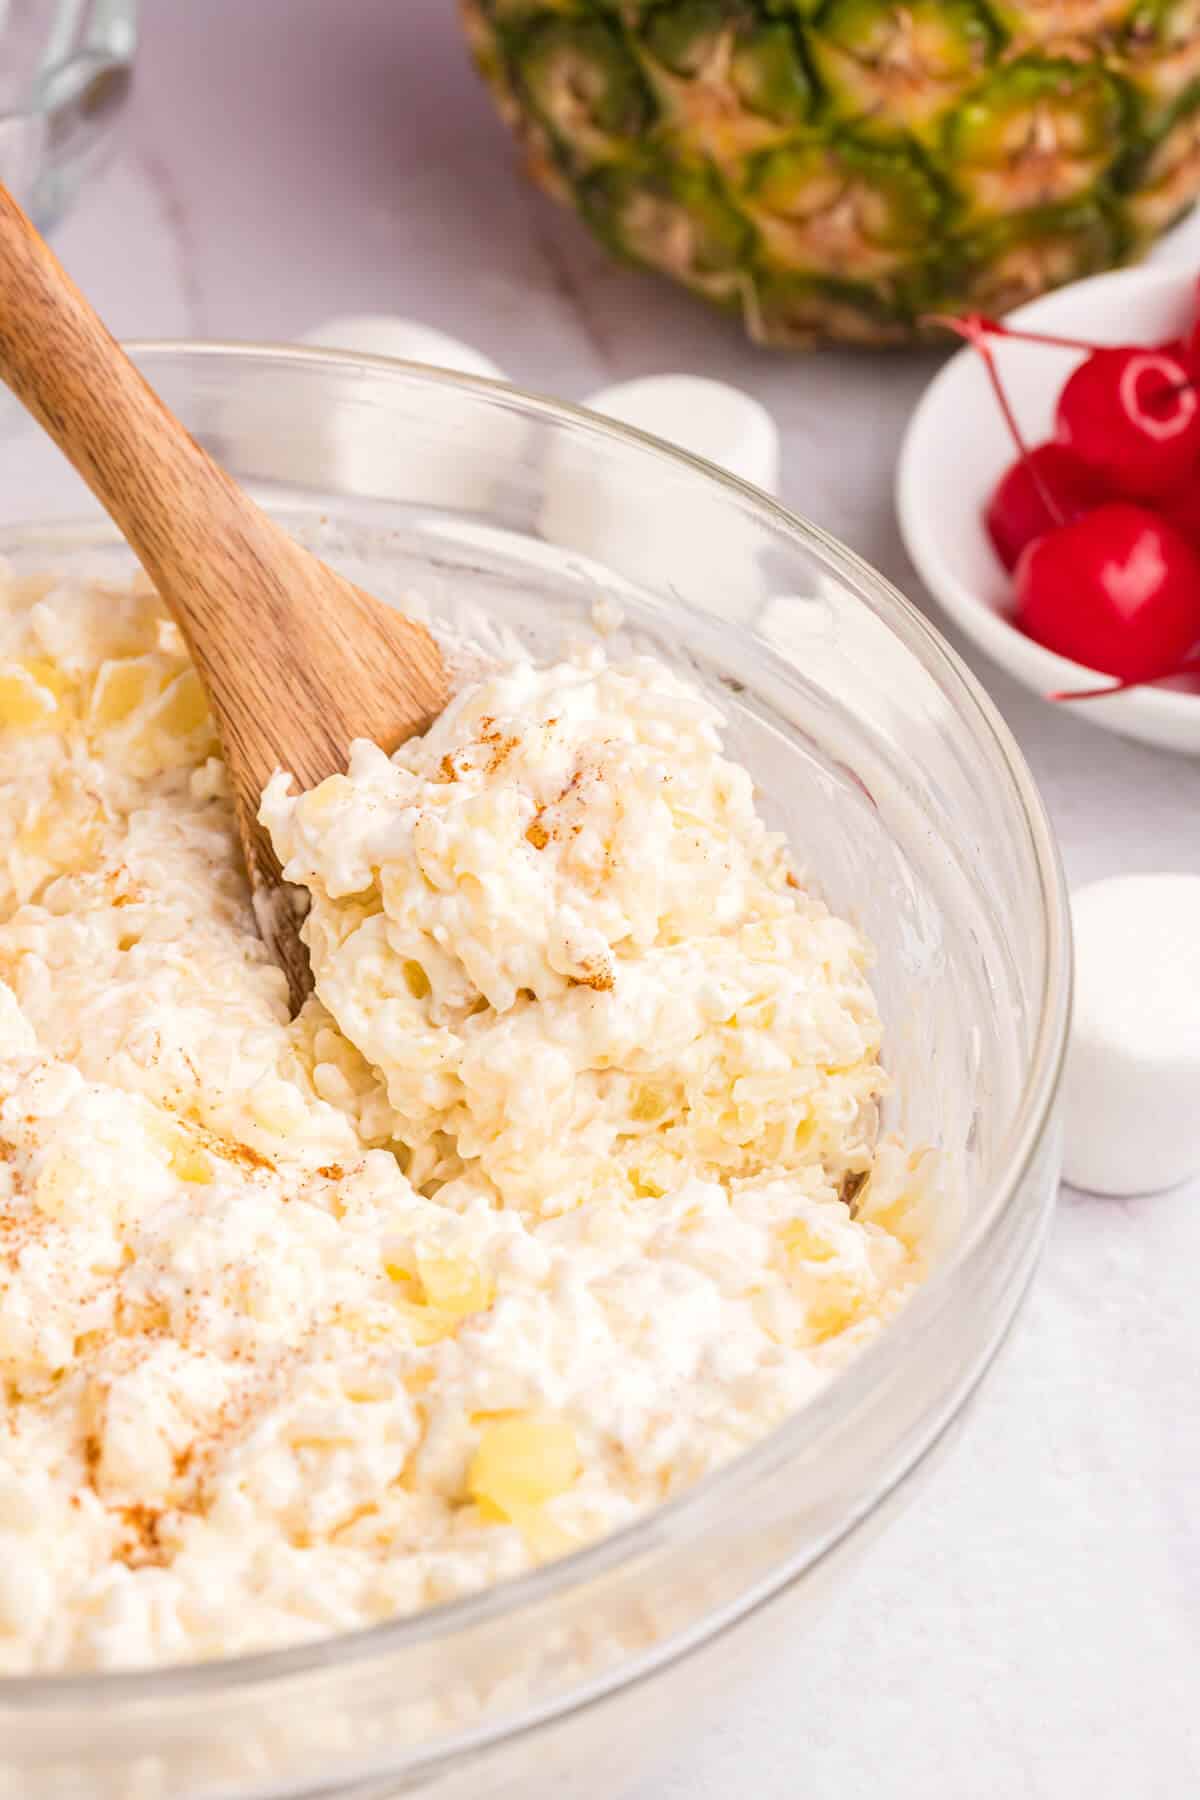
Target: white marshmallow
[
  {"x": 1132, "y": 1088},
  {"x": 381, "y": 334},
  {"x": 446, "y": 453},
  {"x": 650, "y": 528},
  {"x": 707, "y": 418}
]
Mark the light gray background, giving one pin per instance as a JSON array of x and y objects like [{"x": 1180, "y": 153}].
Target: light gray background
[{"x": 1032, "y": 1626}]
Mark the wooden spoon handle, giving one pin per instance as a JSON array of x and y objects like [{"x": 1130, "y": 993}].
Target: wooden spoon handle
[
  {"x": 73, "y": 376},
  {"x": 297, "y": 661}
]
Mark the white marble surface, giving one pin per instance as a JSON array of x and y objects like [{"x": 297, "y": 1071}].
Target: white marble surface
[{"x": 1032, "y": 1627}]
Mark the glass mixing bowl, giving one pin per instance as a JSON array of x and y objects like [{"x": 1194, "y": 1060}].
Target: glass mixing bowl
[
  {"x": 509, "y": 517},
  {"x": 65, "y": 71}
]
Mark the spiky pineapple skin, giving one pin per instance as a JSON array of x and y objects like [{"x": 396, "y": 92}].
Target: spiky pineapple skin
[{"x": 839, "y": 170}]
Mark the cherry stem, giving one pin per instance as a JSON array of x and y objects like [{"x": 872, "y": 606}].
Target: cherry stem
[
  {"x": 1190, "y": 665},
  {"x": 974, "y": 329},
  {"x": 974, "y": 326},
  {"x": 995, "y": 328}
]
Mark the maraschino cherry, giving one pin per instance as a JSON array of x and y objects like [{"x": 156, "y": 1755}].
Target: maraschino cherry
[
  {"x": 1104, "y": 524},
  {"x": 1047, "y": 486},
  {"x": 1117, "y": 590},
  {"x": 1182, "y": 509},
  {"x": 1134, "y": 417}
]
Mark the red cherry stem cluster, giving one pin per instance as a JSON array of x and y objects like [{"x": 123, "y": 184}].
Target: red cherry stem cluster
[
  {"x": 997, "y": 328},
  {"x": 975, "y": 329},
  {"x": 1095, "y": 526}
]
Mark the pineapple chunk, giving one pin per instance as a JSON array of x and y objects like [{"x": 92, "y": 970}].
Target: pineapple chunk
[
  {"x": 447, "y": 1289},
  {"x": 427, "y": 1325},
  {"x": 837, "y": 1305},
  {"x": 800, "y": 1240},
  {"x": 183, "y": 707},
  {"x": 316, "y": 806},
  {"x": 24, "y": 700},
  {"x": 649, "y": 1105},
  {"x": 186, "y": 1157},
  {"x": 191, "y": 1163},
  {"x": 416, "y": 980},
  {"x": 121, "y": 687},
  {"x": 522, "y": 1461},
  {"x": 452, "y": 1284},
  {"x": 47, "y": 674}
]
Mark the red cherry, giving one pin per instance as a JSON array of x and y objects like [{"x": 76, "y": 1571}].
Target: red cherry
[
  {"x": 1048, "y": 486},
  {"x": 1182, "y": 509},
  {"x": 1191, "y": 342},
  {"x": 1178, "y": 347},
  {"x": 1134, "y": 416},
  {"x": 1117, "y": 590}
]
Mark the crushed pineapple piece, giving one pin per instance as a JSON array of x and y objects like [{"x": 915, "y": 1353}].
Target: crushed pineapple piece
[
  {"x": 191, "y": 1163},
  {"x": 903, "y": 1197},
  {"x": 185, "y": 1154},
  {"x": 427, "y": 1324},
  {"x": 452, "y": 1284},
  {"x": 415, "y": 979},
  {"x": 649, "y": 1105},
  {"x": 183, "y": 707},
  {"x": 522, "y": 1461},
  {"x": 49, "y": 675},
  {"x": 24, "y": 700},
  {"x": 799, "y": 1239},
  {"x": 121, "y": 686},
  {"x": 317, "y": 805},
  {"x": 439, "y": 1292},
  {"x": 834, "y": 1306}
]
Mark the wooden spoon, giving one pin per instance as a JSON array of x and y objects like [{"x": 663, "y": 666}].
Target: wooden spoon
[{"x": 295, "y": 660}]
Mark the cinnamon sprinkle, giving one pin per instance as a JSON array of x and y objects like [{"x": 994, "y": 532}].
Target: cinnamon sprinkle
[
  {"x": 242, "y": 1153},
  {"x": 599, "y": 978},
  {"x": 144, "y": 1550}
]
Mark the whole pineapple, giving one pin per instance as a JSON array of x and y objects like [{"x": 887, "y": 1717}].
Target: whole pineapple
[{"x": 835, "y": 169}]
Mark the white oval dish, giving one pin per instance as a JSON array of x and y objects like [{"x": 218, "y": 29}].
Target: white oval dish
[{"x": 957, "y": 447}]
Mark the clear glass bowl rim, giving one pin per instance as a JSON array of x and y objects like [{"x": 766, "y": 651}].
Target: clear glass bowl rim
[{"x": 973, "y": 710}]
